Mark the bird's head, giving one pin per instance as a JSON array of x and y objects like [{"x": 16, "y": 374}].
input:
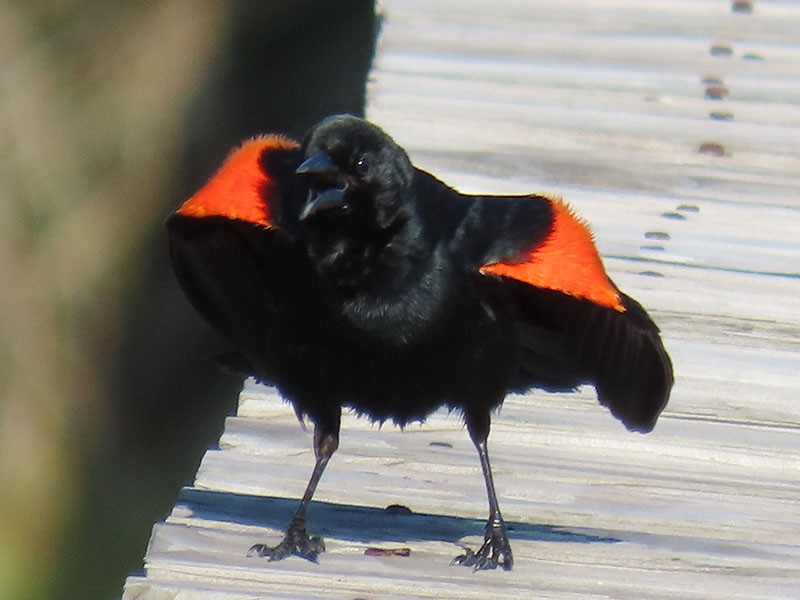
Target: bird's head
[{"x": 354, "y": 171}]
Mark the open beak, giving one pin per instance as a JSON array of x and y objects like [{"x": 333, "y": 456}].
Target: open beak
[{"x": 321, "y": 168}]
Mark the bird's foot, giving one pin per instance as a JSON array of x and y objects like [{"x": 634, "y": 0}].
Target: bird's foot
[
  {"x": 495, "y": 551},
  {"x": 296, "y": 541}
]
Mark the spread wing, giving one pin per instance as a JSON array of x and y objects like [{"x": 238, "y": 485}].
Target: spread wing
[
  {"x": 568, "y": 341},
  {"x": 576, "y": 326},
  {"x": 231, "y": 246}
]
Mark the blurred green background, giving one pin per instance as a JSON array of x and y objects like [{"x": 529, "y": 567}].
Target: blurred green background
[{"x": 112, "y": 113}]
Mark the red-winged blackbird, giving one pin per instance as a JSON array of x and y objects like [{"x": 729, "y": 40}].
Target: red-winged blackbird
[{"x": 347, "y": 277}]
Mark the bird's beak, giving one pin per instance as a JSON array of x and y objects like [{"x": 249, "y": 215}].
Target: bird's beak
[
  {"x": 318, "y": 164},
  {"x": 321, "y": 168},
  {"x": 323, "y": 201}
]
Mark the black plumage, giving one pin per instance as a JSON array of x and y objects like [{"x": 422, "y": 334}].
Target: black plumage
[{"x": 348, "y": 278}]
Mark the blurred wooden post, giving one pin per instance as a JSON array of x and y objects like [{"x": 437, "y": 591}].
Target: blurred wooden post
[{"x": 673, "y": 128}]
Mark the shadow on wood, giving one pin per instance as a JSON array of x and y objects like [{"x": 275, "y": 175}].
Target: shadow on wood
[{"x": 365, "y": 524}]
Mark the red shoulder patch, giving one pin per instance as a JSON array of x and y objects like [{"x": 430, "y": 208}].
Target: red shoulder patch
[
  {"x": 566, "y": 261},
  {"x": 236, "y": 190}
]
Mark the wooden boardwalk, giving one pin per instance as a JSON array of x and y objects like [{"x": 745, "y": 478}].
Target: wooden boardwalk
[{"x": 674, "y": 128}]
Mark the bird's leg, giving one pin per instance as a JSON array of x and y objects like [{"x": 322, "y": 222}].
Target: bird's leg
[
  {"x": 496, "y": 549},
  {"x": 297, "y": 541}
]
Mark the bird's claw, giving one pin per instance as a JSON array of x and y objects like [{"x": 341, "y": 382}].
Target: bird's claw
[
  {"x": 296, "y": 541},
  {"x": 495, "y": 552}
]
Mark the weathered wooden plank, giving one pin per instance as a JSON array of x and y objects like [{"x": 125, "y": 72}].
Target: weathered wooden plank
[
  {"x": 592, "y": 508},
  {"x": 606, "y": 104}
]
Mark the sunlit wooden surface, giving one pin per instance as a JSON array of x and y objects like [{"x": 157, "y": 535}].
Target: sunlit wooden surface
[{"x": 674, "y": 128}]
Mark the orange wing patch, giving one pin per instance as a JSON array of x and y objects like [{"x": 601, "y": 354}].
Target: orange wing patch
[
  {"x": 235, "y": 191},
  {"x": 566, "y": 261}
]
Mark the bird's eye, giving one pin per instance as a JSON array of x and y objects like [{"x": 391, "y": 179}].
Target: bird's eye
[{"x": 361, "y": 166}]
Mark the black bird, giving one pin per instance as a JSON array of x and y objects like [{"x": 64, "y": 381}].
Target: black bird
[{"x": 346, "y": 277}]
